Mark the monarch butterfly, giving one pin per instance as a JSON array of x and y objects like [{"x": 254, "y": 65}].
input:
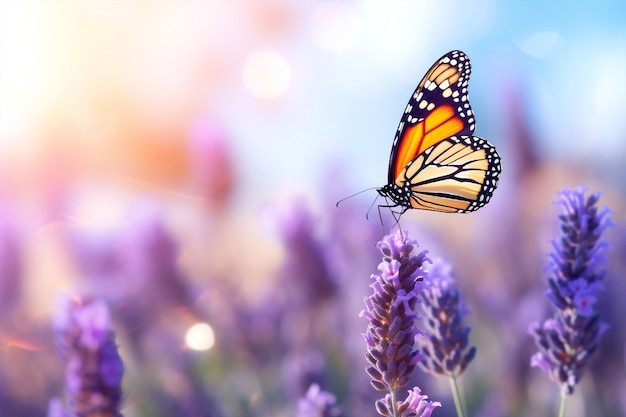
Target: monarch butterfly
[{"x": 436, "y": 163}]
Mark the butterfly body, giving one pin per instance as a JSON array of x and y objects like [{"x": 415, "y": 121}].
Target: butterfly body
[{"x": 436, "y": 163}]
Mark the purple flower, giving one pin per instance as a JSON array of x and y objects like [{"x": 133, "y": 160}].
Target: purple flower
[
  {"x": 566, "y": 341},
  {"x": 390, "y": 309},
  {"x": 305, "y": 273},
  {"x": 302, "y": 369},
  {"x": 415, "y": 405},
  {"x": 317, "y": 403},
  {"x": 307, "y": 287},
  {"x": 93, "y": 368},
  {"x": 446, "y": 339}
]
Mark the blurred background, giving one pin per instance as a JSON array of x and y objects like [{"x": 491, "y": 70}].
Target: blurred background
[{"x": 182, "y": 161}]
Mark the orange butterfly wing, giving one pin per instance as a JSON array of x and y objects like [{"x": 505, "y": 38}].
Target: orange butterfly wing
[
  {"x": 438, "y": 109},
  {"x": 436, "y": 163}
]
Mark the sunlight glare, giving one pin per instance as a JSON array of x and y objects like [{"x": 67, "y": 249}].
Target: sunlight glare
[
  {"x": 24, "y": 50},
  {"x": 200, "y": 337}
]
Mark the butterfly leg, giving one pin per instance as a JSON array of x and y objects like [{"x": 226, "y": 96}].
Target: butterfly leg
[{"x": 395, "y": 214}]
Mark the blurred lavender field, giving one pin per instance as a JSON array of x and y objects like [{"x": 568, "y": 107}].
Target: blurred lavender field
[{"x": 179, "y": 163}]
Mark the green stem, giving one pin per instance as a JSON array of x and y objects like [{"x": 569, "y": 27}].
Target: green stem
[
  {"x": 394, "y": 405},
  {"x": 562, "y": 406},
  {"x": 457, "y": 397}
]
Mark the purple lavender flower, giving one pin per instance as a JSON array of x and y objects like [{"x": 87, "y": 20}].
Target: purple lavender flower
[
  {"x": 317, "y": 403},
  {"x": 305, "y": 273},
  {"x": 93, "y": 368},
  {"x": 302, "y": 369},
  {"x": 445, "y": 344},
  {"x": 391, "y": 331},
  {"x": 308, "y": 288},
  {"x": 415, "y": 405},
  {"x": 567, "y": 340}
]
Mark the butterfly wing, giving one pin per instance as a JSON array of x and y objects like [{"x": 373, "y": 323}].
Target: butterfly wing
[
  {"x": 438, "y": 109},
  {"x": 458, "y": 174}
]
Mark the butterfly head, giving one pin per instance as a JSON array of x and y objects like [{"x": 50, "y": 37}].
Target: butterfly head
[{"x": 399, "y": 196}]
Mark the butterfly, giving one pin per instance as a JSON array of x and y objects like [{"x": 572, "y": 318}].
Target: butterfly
[{"x": 436, "y": 163}]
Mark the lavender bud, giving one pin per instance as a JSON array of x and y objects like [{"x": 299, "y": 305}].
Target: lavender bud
[
  {"x": 390, "y": 337},
  {"x": 566, "y": 341},
  {"x": 93, "y": 367},
  {"x": 445, "y": 343}
]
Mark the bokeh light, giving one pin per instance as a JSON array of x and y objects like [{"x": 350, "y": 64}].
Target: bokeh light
[{"x": 200, "y": 337}]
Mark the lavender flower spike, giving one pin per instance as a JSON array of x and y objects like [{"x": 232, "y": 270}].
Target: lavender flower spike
[
  {"x": 391, "y": 331},
  {"x": 93, "y": 368},
  {"x": 445, "y": 345},
  {"x": 567, "y": 340}
]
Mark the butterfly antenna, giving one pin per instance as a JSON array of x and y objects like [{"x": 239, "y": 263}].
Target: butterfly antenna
[{"x": 355, "y": 194}]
